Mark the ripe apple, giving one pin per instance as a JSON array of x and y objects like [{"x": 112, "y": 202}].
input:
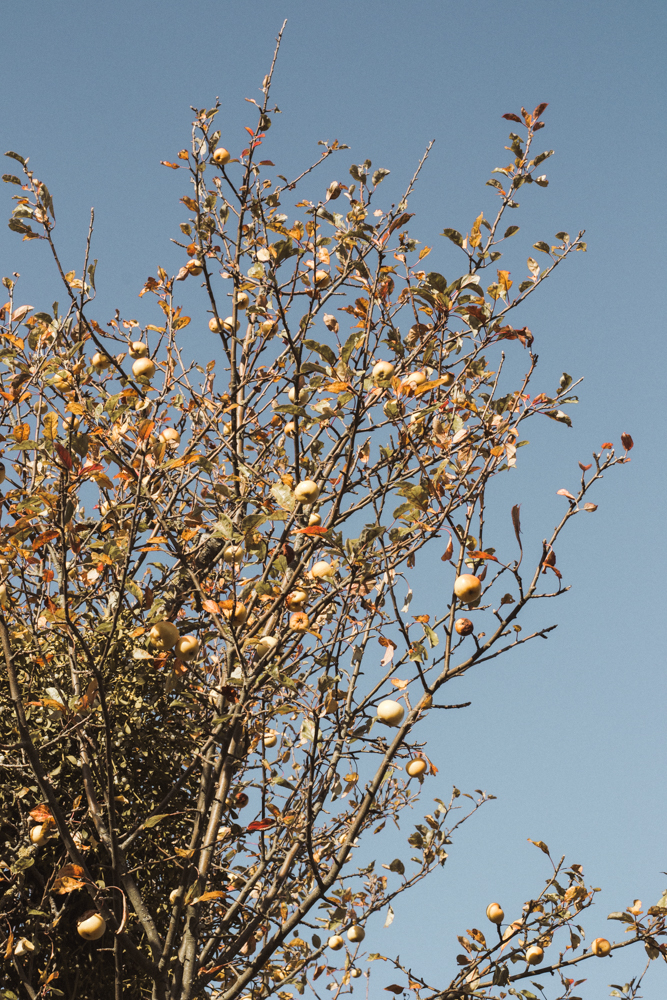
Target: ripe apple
[
  {"x": 91, "y": 925},
  {"x": 215, "y": 326},
  {"x": 467, "y": 588},
  {"x": 416, "y": 767},
  {"x": 230, "y": 325},
  {"x": 301, "y": 399},
  {"x": 138, "y": 349},
  {"x": 37, "y": 836},
  {"x": 306, "y": 492},
  {"x": 170, "y": 437},
  {"x": 187, "y": 647},
  {"x": 242, "y": 300},
  {"x": 296, "y": 599},
  {"x": 23, "y": 947},
  {"x": 383, "y": 369},
  {"x": 464, "y": 626},
  {"x": 356, "y": 933},
  {"x": 241, "y": 800},
  {"x": 194, "y": 266},
  {"x": 335, "y": 942},
  {"x": 143, "y": 367},
  {"x": 494, "y": 912},
  {"x": 71, "y": 424},
  {"x": 236, "y": 613},
  {"x": 3, "y": 472},
  {"x": 322, "y": 570},
  {"x": 163, "y": 635},
  {"x": 100, "y": 361},
  {"x": 299, "y": 621},
  {"x": 268, "y": 326},
  {"x": 270, "y": 738},
  {"x": 414, "y": 380},
  {"x": 221, "y": 156},
  {"x": 447, "y": 379},
  {"x": 313, "y": 521},
  {"x": 534, "y": 954},
  {"x": 290, "y": 428},
  {"x": 601, "y": 947},
  {"x": 62, "y": 381},
  {"x": 266, "y": 644},
  {"x": 391, "y": 712},
  {"x": 233, "y": 554},
  {"x": 355, "y": 973},
  {"x": 322, "y": 279}
]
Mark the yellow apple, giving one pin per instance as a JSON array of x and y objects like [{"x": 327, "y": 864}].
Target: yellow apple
[
  {"x": 170, "y": 437},
  {"x": 391, "y": 712},
  {"x": 270, "y": 738},
  {"x": 100, "y": 361},
  {"x": 534, "y": 954},
  {"x": 299, "y": 621},
  {"x": 416, "y": 767},
  {"x": 322, "y": 570},
  {"x": 290, "y": 428},
  {"x": 242, "y": 300},
  {"x": 266, "y": 644},
  {"x": 163, "y": 635},
  {"x": 464, "y": 626},
  {"x": 296, "y": 599},
  {"x": 356, "y": 933},
  {"x": 415, "y": 379},
  {"x": 91, "y": 925},
  {"x": 494, "y": 912},
  {"x": 187, "y": 647},
  {"x": 335, "y": 942},
  {"x": 300, "y": 399},
  {"x": 236, "y": 613},
  {"x": 138, "y": 349},
  {"x": 143, "y": 367},
  {"x": 215, "y": 326},
  {"x": 268, "y": 326},
  {"x": 221, "y": 156},
  {"x": 467, "y": 588},
  {"x": 37, "y": 836},
  {"x": 71, "y": 424},
  {"x": 23, "y": 947},
  {"x": 383, "y": 370},
  {"x": 230, "y": 325},
  {"x": 355, "y": 973},
  {"x": 306, "y": 492},
  {"x": 601, "y": 947},
  {"x": 313, "y": 521},
  {"x": 322, "y": 279},
  {"x": 62, "y": 381},
  {"x": 3, "y": 472},
  {"x": 233, "y": 554}
]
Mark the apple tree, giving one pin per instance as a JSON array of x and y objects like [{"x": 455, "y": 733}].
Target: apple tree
[{"x": 213, "y": 682}]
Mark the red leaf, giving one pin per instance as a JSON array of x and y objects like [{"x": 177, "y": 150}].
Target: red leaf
[
  {"x": 539, "y": 110},
  {"x": 513, "y": 118},
  {"x": 260, "y": 824},
  {"x": 317, "y": 529},
  {"x": 627, "y": 442},
  {"x": 64, "y": 456},
  {"x": 564, "y": 493},
  {"x": 250, "y": 131},
  {"x": 211, "y": 607}
]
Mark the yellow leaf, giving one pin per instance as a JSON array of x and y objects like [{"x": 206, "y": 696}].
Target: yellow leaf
[
  {"x": 214, "y": 894},
  {"x": 21, "y": 432},
  {"x": 424, "y": 252},
  {"x": 50, "y": 425},
  {"x": 475, "y": 234},
  {"x": 75, "y": 408},
  {"x": 504, "y": 282}
]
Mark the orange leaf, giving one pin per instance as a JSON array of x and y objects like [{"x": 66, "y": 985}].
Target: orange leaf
[
  {"x": 42, "y": 539},
  {"x": 482, "y": 555},
  {"x": 564, "y": 493},
  {"x": 40, "y": 814},
  {"x": 316, "y": 529},
  {"x": 210, "y": 606},
  {"x": 166, "y": 163},
  {"x": 422, "y": 618}
]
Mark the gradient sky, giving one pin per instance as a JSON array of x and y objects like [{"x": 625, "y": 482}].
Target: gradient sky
[{"x": 569, "y": 735}]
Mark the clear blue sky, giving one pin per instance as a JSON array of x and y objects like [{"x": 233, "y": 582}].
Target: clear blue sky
[{"x": 569, "y": 736}]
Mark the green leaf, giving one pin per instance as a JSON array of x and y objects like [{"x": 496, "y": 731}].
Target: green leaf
[
  {"x": 494, "y": 184},
  {"x": 454, "y": 235},
  {"x": 626, "y": 918},
  {"x": 510, "y": 231},
  {"x": 297, "y": 411},
  {"x": 379, "y": 175},
  {"x": 349, "y": 346},
  {"x": 154, "y": 820},
  {"x": 560, "y": 416},
  {"x": 283, "y": 495},
  {"x": 541, "y": 245},
  {"x": 18, "y": 227},
  {"x": 431, "y": 636},
  {"x": 437, "y": 281},
  {"x": 397, "y": 866},
  {"x": 323, "y": 350},
  {"x": 15, "y": 156},
  {"x": 565, "y": 382},
  {"x": 11, "y": 179},
  {"x": 135, "y": 590}
]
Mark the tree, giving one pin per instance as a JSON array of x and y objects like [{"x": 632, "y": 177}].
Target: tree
[{"x": 196, "y": 581}]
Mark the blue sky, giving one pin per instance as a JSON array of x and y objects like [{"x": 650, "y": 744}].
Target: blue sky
[{"x": 570, "y": 735}]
